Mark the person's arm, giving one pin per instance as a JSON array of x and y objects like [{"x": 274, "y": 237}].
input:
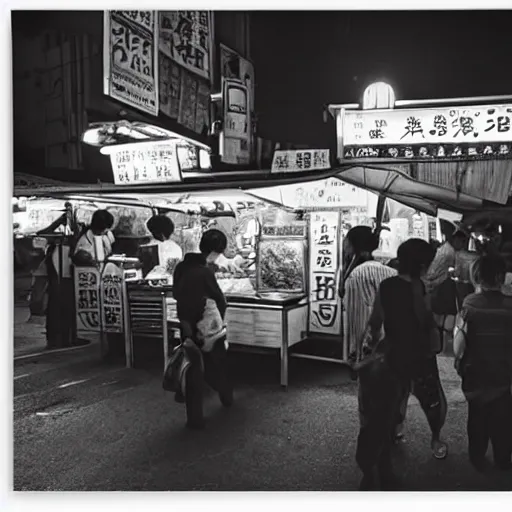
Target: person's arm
[
  {"x": 438, "y": 271},
  {"x": 459, "y": 336},
  {"x": 357, "y": 317},
  {"x": 214, "y": 292},
  {"x": 376, "y": 322}
]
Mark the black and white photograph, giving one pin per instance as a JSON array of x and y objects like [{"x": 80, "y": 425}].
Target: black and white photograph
[{"x": 259, "y": 251}]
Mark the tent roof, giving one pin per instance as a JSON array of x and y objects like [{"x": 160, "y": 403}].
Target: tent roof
[{"x": 396, "y": 185}]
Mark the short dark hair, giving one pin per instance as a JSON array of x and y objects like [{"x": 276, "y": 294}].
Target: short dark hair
[
  {"x": 489, "y": 270},
  {"x": 161, "y": 227},
  {"x": 213, "y": 240},
  {"x": 363, "y": 239},
  {"x": 413, "y": 256},
  {"x": 101, "y": 220},
  {"x": 460, "y": 235}
]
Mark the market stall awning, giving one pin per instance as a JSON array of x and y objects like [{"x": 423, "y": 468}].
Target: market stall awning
[{"x": 393, "y": 183}]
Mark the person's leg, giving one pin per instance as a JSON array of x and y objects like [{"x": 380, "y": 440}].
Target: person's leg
[
  {"x": 500, "y": 430},
  {"x": 194, "y": 383},
  {"x": 402, "y": 409},
  {"x": 429, "y": 391},
  {"x": 478, "y": 434},
  {"x": 216, "y": 372}
]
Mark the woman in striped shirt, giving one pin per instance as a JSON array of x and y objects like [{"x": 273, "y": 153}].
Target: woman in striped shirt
[{"x": 360, "y": 284}]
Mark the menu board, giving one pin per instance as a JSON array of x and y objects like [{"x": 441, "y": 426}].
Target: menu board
[
  {"x": 112, "y": 299},
  {"x": 325, "y": 303},
  {"x": 87, "y": 299},
  {"x": 148, "y": 163}
]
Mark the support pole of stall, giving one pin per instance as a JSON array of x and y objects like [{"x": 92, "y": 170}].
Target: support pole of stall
[
  {"x": 284, "y": 348},
  {"x": 381, "y": 204}
]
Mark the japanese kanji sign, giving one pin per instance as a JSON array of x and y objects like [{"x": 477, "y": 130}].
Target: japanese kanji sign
[
  {"x": 130, "y": 58},
  {"x": 87, "y": 299},
  {"x": 449, "y": 125},
  {"x": 146, "y": 163},
  {"x": 185, "y": 37},
  {"x": 300, "y": 160},
  {"x": 325, "y": 305}
]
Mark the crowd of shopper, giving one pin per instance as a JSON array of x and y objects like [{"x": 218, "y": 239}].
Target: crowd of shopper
[{"x": 396, "y": 322}]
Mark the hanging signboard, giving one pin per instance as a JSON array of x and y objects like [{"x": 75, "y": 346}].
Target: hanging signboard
[
  {"x": 112, "y": 299},
  {"x": 236, "y": 133},
  {"x": 87, "y": 299},
  {"x": 130, "y": 58},
  {"x": 146, "y": 163},
  {"x": 300, "y": 160},
  {"x": 186, "y": 38},
  {"x": 325, "y": 306},
  {"x": 448, "y": 132}
]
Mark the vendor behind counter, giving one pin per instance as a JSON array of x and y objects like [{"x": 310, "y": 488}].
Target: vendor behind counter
[{"x": 168, "y": 252}]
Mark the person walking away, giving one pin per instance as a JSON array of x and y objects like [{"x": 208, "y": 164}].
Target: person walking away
[
  {"x": 440, "y": 285},
  {"x": 378, "y": 401},
  {"x": 195, "y": 289},
  {"x": 170, "y": 254},
  {"x": 411, "y": 337},
  {"x": 59, "y": 310},
  {"x": 360, "y": 284},
  {"x": 483, "y": 358}
]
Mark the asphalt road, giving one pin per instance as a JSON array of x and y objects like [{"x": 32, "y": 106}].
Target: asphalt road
[{"x": 81, "y": 425}]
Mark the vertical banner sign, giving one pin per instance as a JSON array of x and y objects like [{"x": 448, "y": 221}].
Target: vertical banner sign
[
  {"x": 112, "y": 299},
  {"x": 325, "y": 306},
  {"x": 186, "y": 38},
  {"x": 236, "y": 133},
  {"x": 130, "y": 58},
  {"x": 87, "y": 299}
]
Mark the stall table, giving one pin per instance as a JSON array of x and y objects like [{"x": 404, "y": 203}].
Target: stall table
[{"x": 269, "y": 321}]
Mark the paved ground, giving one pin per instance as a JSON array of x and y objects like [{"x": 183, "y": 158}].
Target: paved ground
[{"x": 82, "y": 425}]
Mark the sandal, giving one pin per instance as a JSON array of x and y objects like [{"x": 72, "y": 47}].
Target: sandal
[{"x": 439, "y": 449}]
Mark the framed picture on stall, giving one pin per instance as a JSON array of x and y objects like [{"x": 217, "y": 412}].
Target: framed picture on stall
[{"x": 281, "y": 265}]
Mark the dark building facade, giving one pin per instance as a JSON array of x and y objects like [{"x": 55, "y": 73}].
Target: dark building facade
[{"x": 58, "y": 87}]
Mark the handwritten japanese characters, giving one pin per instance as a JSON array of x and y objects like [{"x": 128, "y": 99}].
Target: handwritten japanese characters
[
  {"x": 300, "y": 160},
  {"x": 479, "y": 132},
  {"x": 130, "y": 58},
  {"x": 185, "y": 37},
  {"x": 325, "y": 307},
  {"x": 87, "y": 299},
  {"x": 112, "y": 301},
  {"x": 149, "y": 163}
]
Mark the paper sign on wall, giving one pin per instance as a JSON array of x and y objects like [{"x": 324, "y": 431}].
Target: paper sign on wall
[{"x": 130, "y": 58}]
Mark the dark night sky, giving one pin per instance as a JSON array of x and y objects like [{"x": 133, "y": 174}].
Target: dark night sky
[{"x": 304, "y": 60}]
